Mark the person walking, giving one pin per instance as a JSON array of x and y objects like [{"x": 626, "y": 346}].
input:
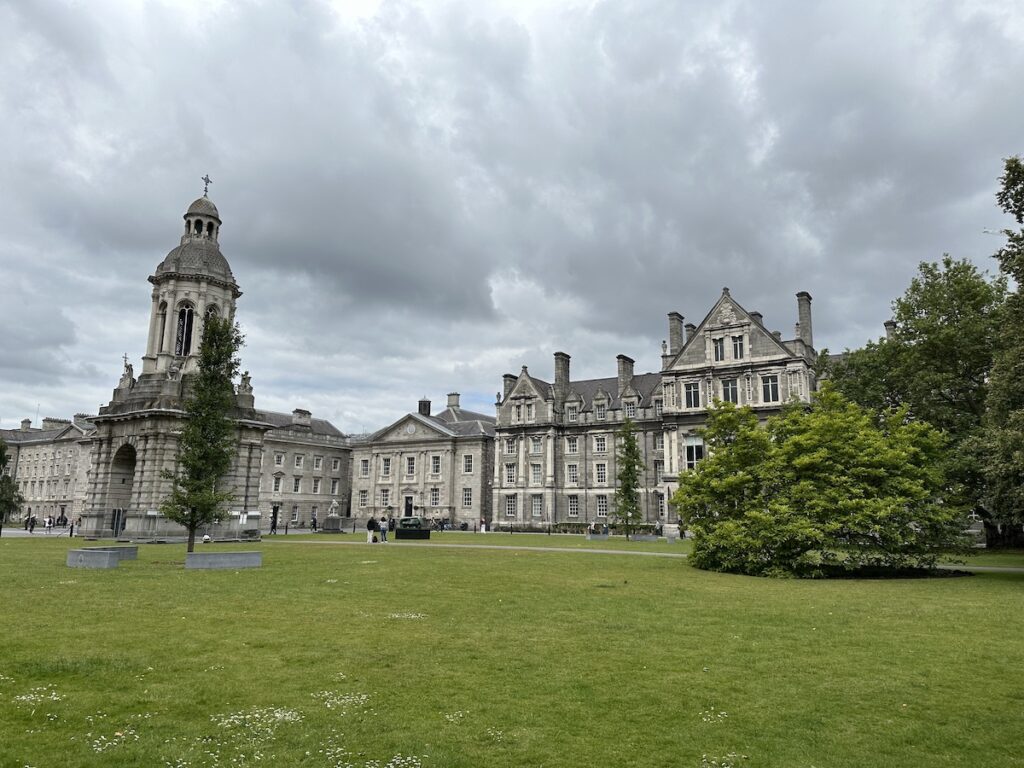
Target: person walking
[
  {"x": 371, "y": 526},
  {"x": 48, "y": 524},
  {"x": 383, "y": 529},
  {"x": 32, "y": 524}
]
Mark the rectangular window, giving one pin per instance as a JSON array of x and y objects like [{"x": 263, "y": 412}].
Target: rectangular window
[
  {"x": 467, "y": 497},
  {"x": 334, "y": 486},
  {"x": 385, "y": 496},
  {"x": 364, "y": 497},
  {"x": 599, "y": 411},
  {"x": 574, "y": 506},
  {"x": 519, "y": 413},
  {"x": 318, "y": 462},
  {"x": 694, "y": 453},
  {"x": 277, "y": 484},
  {"x": 737, "y": 347},
  {"x": 572, "y": 445},
  {"x": 572, "y": 413},
  {"x": 335, "y": 465},
  {"x": 600, "y": 444},
  {"x": 410, "y": 465},
  {"x": 385, "y": 467},
  {"x": 298, "y": 461},
  {"x": 278, "y": 459},
  {"x": 659, "y": 441},
  {"x": 657, "y": 407},
  {"x": 510, "y": 445},
  {"x": 770, "y": 389},
  {"x": 602, "y": 506},
  {"x": 510, "y": 506},
  {"x": 730, "y": 390},
  {"x": 602, "y": 473},
  {"x": 435, "y": 465},
  {"x": 535, "y": 445},
  {"x": 630, "y": 410},
  {"x": 295, "y": 513},
  {"x": 316, "y": 485},
  {"x": 691, "y": 392},
  {"x": 719, "y": 345},
  {"x": 510, "y": 473},
  {"x": 572, "y": 473},
  {"x": 296, "y": 484},
  {"x": 435, "y": 497},
  {"x": 659, "y": 470},
  {"x": 529, "y": 411},
  {"x": 535, "y": 474},
  {"x": 467, "y": 463},
  {"x": 538, "y": 505},
  {"x": 364, "y": 467}
]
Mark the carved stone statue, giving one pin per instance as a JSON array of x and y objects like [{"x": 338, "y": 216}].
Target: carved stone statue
[
  {"x": 245, "y": 387},
  {"x": 128, "y": 377}
]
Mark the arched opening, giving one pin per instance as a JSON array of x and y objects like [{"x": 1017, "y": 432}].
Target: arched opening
[
  {"x": 119, "y": 491},
  {"x": 188, "y": 226},
  {"x": 209, "y": 229},
  {"x": 183, "y": 336},
  {"x": 162, "y": 324},
  {"x": 199, "y": 227}
]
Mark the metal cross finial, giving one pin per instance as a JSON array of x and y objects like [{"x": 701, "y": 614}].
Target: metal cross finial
[
  {"x": 207, "y": 181},
  {"x": 125, "y": 359}
]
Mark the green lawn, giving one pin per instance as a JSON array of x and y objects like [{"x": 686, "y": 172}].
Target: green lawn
[{"x": 352, "y": 656}]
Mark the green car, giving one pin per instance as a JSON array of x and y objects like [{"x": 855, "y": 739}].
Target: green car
[{"x": 410, "y": 522}]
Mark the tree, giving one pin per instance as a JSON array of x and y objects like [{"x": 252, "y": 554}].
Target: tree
[
  {"x": 820, "y": 488},
  {"x": 1001, "y": 442},
  {"x": 630, "y": 473},
  {"x": 206, "y": 445},
  {"x": 10, "y": 497}
]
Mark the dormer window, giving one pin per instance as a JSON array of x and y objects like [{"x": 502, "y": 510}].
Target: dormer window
[
  {"x": 630, "y": 410},
  {"x": 572, "y": 413},
  {"x": 599, "y": 411}
]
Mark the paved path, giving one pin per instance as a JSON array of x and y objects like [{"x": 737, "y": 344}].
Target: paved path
[{"x": 676, "y": 555}]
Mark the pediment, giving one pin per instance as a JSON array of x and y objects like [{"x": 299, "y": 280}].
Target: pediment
[{"x": 410, "y": 427}]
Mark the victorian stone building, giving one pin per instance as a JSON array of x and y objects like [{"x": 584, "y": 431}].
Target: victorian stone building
[
  {"x": 437, "y": 466},
  {"x": 136, "y": 434},
  {"x": 555, "y": 442}
]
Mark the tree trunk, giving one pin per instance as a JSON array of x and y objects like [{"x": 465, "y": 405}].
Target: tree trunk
[
  {"x": 191, "y": 539},
  {"x": 1005, "y": 536}
]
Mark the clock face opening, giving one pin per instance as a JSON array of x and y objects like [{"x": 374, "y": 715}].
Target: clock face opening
[{"x": 411, "y": 429}]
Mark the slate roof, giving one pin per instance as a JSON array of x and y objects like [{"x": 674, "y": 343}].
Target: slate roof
[
  {"x": 200, "y": 256},
  {"x": 285, "y": 421},
  {"x": 465, "y": 423},
  {"x": 587, "y": 389},
  {"x": 204, "y": 207}
]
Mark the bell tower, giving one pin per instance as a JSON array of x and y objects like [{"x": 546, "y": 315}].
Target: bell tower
[{"x": 192, "y": 283}]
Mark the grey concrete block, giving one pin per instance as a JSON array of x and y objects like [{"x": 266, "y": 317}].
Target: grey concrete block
[
  {"x": 92, "y": 558},
  {"x": 224, "y": 560}
]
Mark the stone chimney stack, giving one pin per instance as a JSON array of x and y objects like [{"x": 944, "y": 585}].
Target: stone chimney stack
[
  {"x": 803, "y": 306},
  {"x": 675, "y": 333},
  {"x": 625, "y": 372},
  {"x": 49, "y": 422},
  {"x": 508, "y": 384},
  {"x": 758, "y": 317},
  {"x": 561, "y": 377},
  {"x": 424, "y": 407},
  {"x": 690, "y": 330},
  {"x": 453, "y": 399},
  {"x": 302, "y": 418},
  {"x": 777, "y": 335},
  {"x": 26, "y": 425},
  {"x": 890, "y": 330}
]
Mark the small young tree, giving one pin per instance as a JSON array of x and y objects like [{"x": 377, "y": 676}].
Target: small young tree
[
  {"x": 10, "y": 497},
  {"x": 631, "y": 468},
  {"x": 206, "y": 445}
]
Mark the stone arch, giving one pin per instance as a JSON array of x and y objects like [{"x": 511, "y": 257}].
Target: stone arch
[
  {"x": 119, "y": 487},
  {"x": 183, "y": 333}
]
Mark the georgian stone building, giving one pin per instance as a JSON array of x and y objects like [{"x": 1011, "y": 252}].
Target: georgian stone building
[
  {"x": 429, "y": 465},
  {"x": 136, "y": 434},
  {"x": 555, "y": 442}
]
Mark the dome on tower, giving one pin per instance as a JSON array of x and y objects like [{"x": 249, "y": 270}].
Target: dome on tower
[
  {"x": 204, "y": 207},
  {"x": 197, "y": 257}
]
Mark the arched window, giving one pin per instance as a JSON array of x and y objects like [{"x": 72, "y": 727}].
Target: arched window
[
  {"x": 183, "y": 338},
  {"x": 188, "y": 226},
  {"x": 199, "y": 227},
  {"x": 162, "y": 324},
  {"x": 209, "y": 229}
]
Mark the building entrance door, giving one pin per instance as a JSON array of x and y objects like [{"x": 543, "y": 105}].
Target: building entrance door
[{"x": 408, "y": 506}]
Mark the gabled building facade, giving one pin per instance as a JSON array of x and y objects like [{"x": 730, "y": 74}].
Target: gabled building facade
[
  {"x": 435, "y": 466},
  {"x": 556, "y": 441}
]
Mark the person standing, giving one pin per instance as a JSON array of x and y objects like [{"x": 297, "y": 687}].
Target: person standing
[
  {"x": 371, "y": 526},
  {"x": 383, "y": 529},
  {"x": 48, "y": 524}
]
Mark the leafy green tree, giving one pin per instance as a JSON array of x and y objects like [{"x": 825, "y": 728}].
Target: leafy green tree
[
  {"x": 1001, "y": 443},
  {"x": 10, "y": 497},
  {"x": 630, "y": 474},
  {"x": 829, "y": 487},
  {"x": 206, "y": 445}
]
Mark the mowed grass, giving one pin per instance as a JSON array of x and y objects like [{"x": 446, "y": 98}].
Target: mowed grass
[{"x": 345, "y": 655}]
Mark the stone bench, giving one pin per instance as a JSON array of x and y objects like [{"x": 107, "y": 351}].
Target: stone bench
[
  {"x": 643, "y": 537},
  {"x": 223, "y": 560},
  {"x": 123, "y": 553},
  {"x": 93, "y": 558}
]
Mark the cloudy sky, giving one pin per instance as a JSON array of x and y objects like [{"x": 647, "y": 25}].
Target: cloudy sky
[{"x": 421, "y": 196}]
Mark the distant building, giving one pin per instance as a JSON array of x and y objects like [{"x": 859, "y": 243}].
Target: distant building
[
  {"x": 436, "y": 466},
  {"x": 555, "y": 442}
]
